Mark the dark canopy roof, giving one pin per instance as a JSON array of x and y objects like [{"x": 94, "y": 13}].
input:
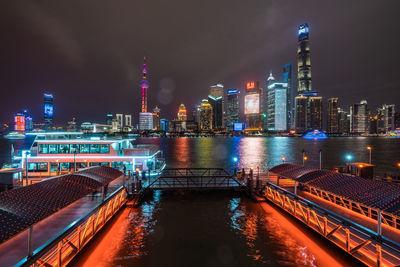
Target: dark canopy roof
[
  {"x": 25, "y": 206},
  {"x": 377, "y": 194}
]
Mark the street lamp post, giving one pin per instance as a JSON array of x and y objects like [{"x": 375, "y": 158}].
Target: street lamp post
[
  {"x": 283, "y": 159},
  {"x": 75, "y": 160},
  {"x": 370, "y": 154},
  {"x": 26, "y": 154},
  {"x": 320, "y": 159},
  {"x": 303, "y": 152}
]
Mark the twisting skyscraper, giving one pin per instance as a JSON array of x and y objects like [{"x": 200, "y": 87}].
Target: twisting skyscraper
[{"x": 144, "y": 84}]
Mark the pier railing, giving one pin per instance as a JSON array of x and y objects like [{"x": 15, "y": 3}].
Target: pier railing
[
  {"x": 360, "y": 242},
  {"x": 63, "y": 248}
]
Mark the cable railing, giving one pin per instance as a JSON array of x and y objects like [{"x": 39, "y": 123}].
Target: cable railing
[
  {"x": 360, "y": 242},
  {"x": 66, "y": 245}
]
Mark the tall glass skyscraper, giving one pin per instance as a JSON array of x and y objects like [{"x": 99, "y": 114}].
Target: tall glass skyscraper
[
  {"x": 304, "y": 61},
  {"x": 48, "y": 109},
  {"x": 232, "y": 108},
  {"x": 277, "y": 107},
  {"x": 288, "y": 79}
]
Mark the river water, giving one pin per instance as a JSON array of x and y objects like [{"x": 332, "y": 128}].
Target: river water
[{"x": 226, "y": 228}]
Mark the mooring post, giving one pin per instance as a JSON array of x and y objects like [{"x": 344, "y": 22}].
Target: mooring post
[
  {"x": 379, "y": 230},
  {"x": 295, "y": 188}
]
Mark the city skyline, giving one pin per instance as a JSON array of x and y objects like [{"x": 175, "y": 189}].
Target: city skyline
[{"x": 82, "y": 83}]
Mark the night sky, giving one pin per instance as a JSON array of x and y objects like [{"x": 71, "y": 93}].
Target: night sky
[{"x": 89, "y": 53}]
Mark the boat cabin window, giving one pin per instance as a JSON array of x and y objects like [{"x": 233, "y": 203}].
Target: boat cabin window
[
  {"x": 74, "y": 148},
  {"x": 37, "y": 167},
  {"x": 53, "y": 148}
]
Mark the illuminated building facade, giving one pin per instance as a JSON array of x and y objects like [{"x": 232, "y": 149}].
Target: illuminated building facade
[
  {"x": 288, "y": 79},
  {"x": 206, "y": 116},
  {"x": 301, "y": 106},
  {"x": 217, "y": 92},
  {"x": 156, "y": 118},
  {"x": 264, "y": 102},
  {"x": 277, "y": 107},
  {"x": 332, "y": 116},
  {"x": 252, "y": 106},
  {"x": 232, "y": 108},
  {"x": 109, "y": 119},
  {"x": 19, "y": 122},
  {"x": 315, "y": 113},
  {"x": 217, "y": 107},
  {"x": 48, "y": 110},
  {"x": 146, "y": 121},
  {"x": 386, "y": 118},
  {"x": 182, "y": 115},
  {"x": 343, "y": 121},
  {"x": 120, "y": 121},
  {"x": 164, "y": 126},
  {"x": 359, "y": 115}
]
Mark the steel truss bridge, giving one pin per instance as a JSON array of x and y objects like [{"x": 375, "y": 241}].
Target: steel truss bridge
[{"x": 194, "y": 178}]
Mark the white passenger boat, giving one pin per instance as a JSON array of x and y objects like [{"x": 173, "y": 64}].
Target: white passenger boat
[{"x": 54, "y": 153}]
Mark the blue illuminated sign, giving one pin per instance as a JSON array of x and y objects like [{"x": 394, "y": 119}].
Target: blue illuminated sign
[
  {"x": 232, "y": 91},
  {"x": 48, "y": 110},
  {"x": 238, "y": 127}
]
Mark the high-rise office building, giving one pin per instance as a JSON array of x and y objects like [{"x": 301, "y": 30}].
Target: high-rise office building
[
  {"x": 252, "y": 106},
  {"x": 386, "y": 118},
  {"x": 332, "y": 122},
  {"x": 217, "y": 107},
  {"x": 19, "y": 122},
  {"x": 301, "y": 108},
  {"x": 217, "y": 91},
  {"x": 128, "y": 120},
  {"x": 156, "y": 118},
  {"x": 232, "y": 108},
  {"x": 288, "y": 79},
  {"x": 48, "y": 109},
  {"x": 182, "y": 115},
  {"x": 109, "y": 119},
  {"x": 277, "y": 107},
  {"x": 164, "y": 126},
  {"x": 28, "y": 121},
  {"x": 120, "y": 121},
  {"x": 206, "y": 116},
  {"x": 315, "y": 111},
  {"x": 304, "y": 61},
  {"x": 343, "y": 121},
  {"x": 146, "y": 121},
  {"x": 359, "y": 115},
  {"x": 197, "y": 115},
  {"x": 264, "y": 102}
]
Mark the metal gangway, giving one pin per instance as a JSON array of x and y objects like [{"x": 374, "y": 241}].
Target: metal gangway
[{"x": 193, "y": 179}]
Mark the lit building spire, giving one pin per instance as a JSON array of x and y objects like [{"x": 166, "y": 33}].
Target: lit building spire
[
  {"x": 144, "y": 84},
  {"x": 271, "y": 78}
]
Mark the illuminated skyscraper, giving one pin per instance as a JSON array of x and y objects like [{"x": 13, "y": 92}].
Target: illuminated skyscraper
[
  {"x": 288, "y": 79},
  {"x": 304, "y": 61},
  {"x": 359, "y": 116},
  {"x": 48, "y": 111},
  {"x": 277, "y": 107},
  {"x": 217, "y": 100},
  {"x": 301, "y": 104},
  {"x": 232, "y": 108},
  {"x": 252, "y": 106},
  {"x": 315, "y": 113},
  {"x": 332, "y": 122},
  {"x": 264, "y": 102},
  {"x": 156, "y": 118},
  {"x": 182, "y": 115},
  {"x": 128, "y": 120},
  {"x": 144, "y": 84},
  {"x": 206, "y": 116},
  {"x": 109, "y": 119},
  {"x": 19, "y": 122},
  {"x": 120, "y": 121},
  {"x": 216, "y": 103},
  {"x": 386, "y": 118}
]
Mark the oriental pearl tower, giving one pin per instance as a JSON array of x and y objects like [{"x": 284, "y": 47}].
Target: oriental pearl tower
[{"x": 144, "y": 84}]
